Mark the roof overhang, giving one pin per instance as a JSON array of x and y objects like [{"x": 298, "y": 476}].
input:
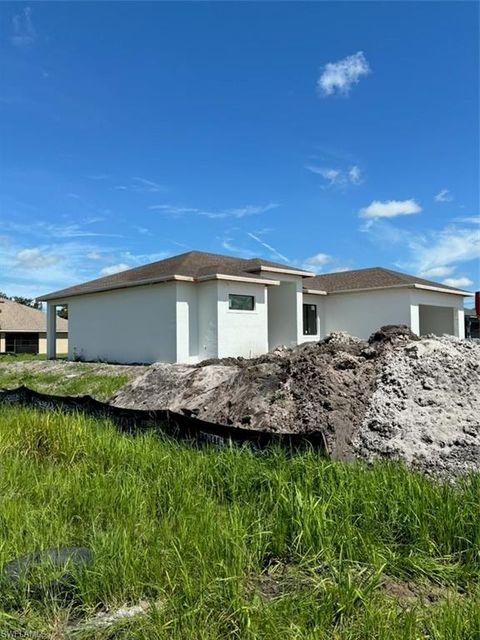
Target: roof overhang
[
  {"x": 232, "y": 278},
  {"x": 455, "y": 292},
  {"x": 315, "y": 292},
  {"x": 60, "y": 297},
  {"x": 287, "y": 271}
]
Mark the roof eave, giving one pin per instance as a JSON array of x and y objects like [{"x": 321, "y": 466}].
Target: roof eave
[
  {"x": 288, "y": 271},
  {"x": 404, "y": 286},
  {"x": 232, "y": 278},
  {"x": 315, "y": 292},
  {"x": 60, "y": 296}
]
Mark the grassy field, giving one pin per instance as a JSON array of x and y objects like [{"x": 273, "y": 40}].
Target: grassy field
[
  {"x": 232, "y": 544},
  {"x": 62, "y": 378}
]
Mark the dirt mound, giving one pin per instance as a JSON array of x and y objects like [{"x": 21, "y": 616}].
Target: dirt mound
[{"x": 395, "y": 396}]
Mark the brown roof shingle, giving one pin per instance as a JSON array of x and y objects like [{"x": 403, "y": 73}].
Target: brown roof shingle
[
  {"x": 373, "y": 278},
  {"x": 19, "y": 317},
  {"x": 193, "y": 264}
]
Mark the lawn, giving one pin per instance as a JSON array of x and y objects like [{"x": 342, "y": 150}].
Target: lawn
[
  {"x": 233, "y": 544},
  {"x": 64, "y": 378}
]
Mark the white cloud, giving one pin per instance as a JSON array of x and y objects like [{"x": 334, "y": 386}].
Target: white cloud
[
  {"x": 390, "y": 209},
  {"x": 338, "y": 177},
  {"x": 94, "y": 255},
  {"x": 35, "y": 259},
  {"x": 458, "y": 282},
  {"x": 437, "y": 272},
  {"x": 318, "y": 260},
  {"x": 443, "y": 196},
  {"x": 114, "y": 268},
  {"x": 23, "y": 29},
  {"x": 355, "y": 174},
  {"x": 340, "y": 76}
]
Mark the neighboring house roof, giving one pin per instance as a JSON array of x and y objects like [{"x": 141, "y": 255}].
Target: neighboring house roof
[
  {"x": 19, "y": 317},
  {"x": 471, "y": 313},
  {"x": 191, "y": 266},
  {"x": 373, "y": 278}
]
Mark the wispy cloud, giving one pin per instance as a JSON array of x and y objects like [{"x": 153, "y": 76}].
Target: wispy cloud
[
  {"x": 110, "y": 270},
  {"x": 443, "y": 196},
  {"x": 23, "y": 29},
  {"x": 269, "y": 248},
  {"x": 238, "y": 212},
  {"x": 318, "y": 261},
  {"x": 462, "y": 281},
  {"x": 431, "y": 254},
  {"x": 335, "y": 177},
  {"x": 147, "y": 186},
  {"x": 339, "y": 77},
  {"x": 390, "y": 209},
  {"x": 35, "y": 259}
]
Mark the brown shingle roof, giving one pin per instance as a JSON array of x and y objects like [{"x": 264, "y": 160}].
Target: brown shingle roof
[
  {"x": 19, "y": 317},
  {"x": 193, "y": 264},
  {"x": 373, "y": 278}
]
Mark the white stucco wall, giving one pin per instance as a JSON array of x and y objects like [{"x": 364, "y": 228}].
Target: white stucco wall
[
  {"x": 125, "y": 325},
  {"x": 207, "y": 320},
  {"x": 187, "y": 322},
  {"x": 242, "y": 333},
  {"x": 362, "y": 313},
  {"x": 424, "y": 297},
  {"x": 359, "y": 314}
]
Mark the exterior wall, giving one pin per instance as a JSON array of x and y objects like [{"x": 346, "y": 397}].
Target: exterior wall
[
  {"x": 242, "y": 333},
  {"x": 62, "y": 343},
  {"x": 207, "y": 320},
  {"x": 362, "y": 313},
  {"x": 124, "y": 325},
  {"x": 309, "y": 298},
  {"x": 421, "y": 297},
  {"x": 285, "y": 310}
]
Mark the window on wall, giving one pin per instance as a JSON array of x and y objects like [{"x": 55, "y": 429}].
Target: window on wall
[
  {"x": 237, "y": 302},
  {"x": 310, "y": 327}
]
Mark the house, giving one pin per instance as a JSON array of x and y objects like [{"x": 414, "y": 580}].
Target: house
[
  {"x": 472, "y": 324},
  {"x": 202, "y": 305},
  {"x": 24, "y": 329}
]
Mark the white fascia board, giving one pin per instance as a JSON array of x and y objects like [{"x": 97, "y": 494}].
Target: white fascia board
[
  {"x": 403, "y": 286},
  {"x": 315, "y": 292},
  {"x": 123, "y": 285},
  {"x": 455, "y": 292},
  {"x": 223, "y": 276},
  {"x": 292, "y": 272}
]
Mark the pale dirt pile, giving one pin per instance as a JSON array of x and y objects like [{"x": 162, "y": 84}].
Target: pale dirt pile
[
  {"x": 394, "y": 397},
  {"x": 426, "y": 406}
]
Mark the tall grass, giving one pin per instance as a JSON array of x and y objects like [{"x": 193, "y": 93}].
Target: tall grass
[{"x": 233, "y": 544}]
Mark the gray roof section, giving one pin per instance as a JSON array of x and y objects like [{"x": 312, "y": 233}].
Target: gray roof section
[
  {"x": 373, "y": 278},
  {"x": 19, "y": 317},
  {"x": 194, "y": 264}
]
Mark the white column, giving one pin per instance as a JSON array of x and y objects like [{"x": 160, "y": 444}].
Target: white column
[
  {"x": 51, "y": 331},
  {"x": 415, "y": 319},
  {"x": 459, "y": 323}
]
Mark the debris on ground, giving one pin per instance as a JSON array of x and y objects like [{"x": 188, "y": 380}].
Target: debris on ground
[{"x": 396, "y": 396}]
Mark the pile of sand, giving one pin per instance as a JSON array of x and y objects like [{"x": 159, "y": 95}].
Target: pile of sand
[{"x": 396, "y": 396}]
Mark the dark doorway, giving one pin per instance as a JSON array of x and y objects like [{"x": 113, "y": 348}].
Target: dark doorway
[{"x": 21, "y": 342}]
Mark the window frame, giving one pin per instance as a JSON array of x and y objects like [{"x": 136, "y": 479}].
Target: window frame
[
  {"x": 241, "y": 295},
  {"x": 305, "y": 317}
]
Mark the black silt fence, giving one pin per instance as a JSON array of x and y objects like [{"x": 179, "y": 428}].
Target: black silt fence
[{"x": 176, "y": 425}]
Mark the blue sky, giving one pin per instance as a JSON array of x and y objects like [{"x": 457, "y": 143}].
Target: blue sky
[{"x": 326, "y": 135}]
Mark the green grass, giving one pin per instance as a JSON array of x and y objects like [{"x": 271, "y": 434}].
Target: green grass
[
  {"x": 80, "y": 381},
  {"x": 234, "y": 544},
  {"x": 21, "y": 357}
]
